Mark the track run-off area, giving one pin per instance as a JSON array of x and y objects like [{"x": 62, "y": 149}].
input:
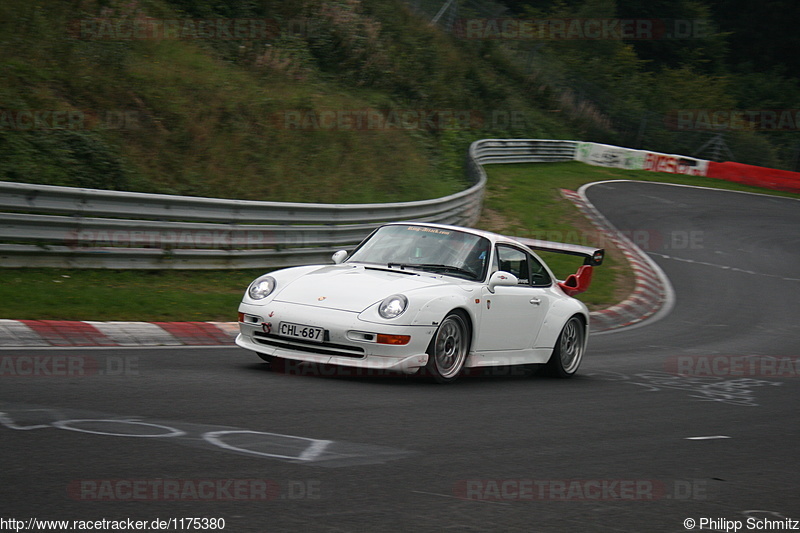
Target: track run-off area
[{"x": 689, "y": 415}]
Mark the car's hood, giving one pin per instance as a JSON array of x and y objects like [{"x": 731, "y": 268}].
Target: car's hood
[{"x": 353, "y": 288}]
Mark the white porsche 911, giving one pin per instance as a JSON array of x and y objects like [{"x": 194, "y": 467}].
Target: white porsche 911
[{"x": 430, "y": 297}]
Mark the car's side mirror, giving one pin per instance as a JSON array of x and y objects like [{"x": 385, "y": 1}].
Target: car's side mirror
[
  {"x": 502, "y": 279},
  {"x": 339, "y": 256}
]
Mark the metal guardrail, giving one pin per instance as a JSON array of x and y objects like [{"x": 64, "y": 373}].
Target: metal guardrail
[{"x": 66, "y": 227}]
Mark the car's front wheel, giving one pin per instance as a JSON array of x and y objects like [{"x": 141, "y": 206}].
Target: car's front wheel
[
  {"x": 266, "y": 358},
  {"x": 568, "y": 351},
  {"x": 448, "y": 349}
]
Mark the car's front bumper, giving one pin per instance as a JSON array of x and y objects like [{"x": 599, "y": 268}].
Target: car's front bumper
[{"x": 346, "y": 341}]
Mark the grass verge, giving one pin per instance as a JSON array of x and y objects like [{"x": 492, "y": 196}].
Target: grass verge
[
  {"x": 135, "y": 295},
  {"x": 521, "y": 200}
]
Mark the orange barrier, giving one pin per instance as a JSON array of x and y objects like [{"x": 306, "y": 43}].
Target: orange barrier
[{"x": 780, "y": 180}]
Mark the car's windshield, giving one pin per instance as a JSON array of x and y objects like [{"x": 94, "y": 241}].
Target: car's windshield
[{"x": 445, "y": 251}]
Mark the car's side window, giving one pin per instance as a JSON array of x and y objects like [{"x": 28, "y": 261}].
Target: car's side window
[
  {"x": 514, "y": 261},
  {"x": 527, "y": 268},
  {"x": 539, "y": 275}
]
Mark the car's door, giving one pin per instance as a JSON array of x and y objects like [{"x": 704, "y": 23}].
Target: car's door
[{"x": 512, "y": 316}]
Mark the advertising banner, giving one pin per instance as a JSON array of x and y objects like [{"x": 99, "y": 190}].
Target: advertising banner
[{"x": 606, "y": 155}]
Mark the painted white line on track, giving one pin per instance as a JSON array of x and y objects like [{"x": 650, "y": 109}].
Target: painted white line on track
[
  {"x": 723, "y": 267},
  {"x": 292, "y": 448},
  {"x": 68, "y": 425},
  {"x": 276, "y": 441},
  {"x": 314, "y": 450},
  {"x": 9, "y": 423}
]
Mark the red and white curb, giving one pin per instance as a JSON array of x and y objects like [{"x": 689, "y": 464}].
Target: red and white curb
[
  {"x": 73, "y": 333},
  {"x": 652, "y": 296}
]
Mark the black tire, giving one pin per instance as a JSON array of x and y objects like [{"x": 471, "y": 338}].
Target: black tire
[
  {"x": 266, "y": 358},
  {"x": 449, "y": 348},
  {"x": 568, "y": 351}
]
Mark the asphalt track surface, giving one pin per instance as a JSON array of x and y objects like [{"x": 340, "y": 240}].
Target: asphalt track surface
[{"x": 628, "y": 445}]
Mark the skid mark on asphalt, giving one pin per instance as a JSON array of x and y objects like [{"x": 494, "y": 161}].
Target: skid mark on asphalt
[
  {"x": 261, "y": 444},
  {"x": 708, "y": 389}
]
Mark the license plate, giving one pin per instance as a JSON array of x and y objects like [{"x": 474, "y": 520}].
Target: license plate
[{"x": 299, "y": 331}]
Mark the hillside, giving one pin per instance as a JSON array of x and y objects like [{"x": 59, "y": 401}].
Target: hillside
[
  {"x": 367, "y": 100},
  {"x": 310, "y": 101}
]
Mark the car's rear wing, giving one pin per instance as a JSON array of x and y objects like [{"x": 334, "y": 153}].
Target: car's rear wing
[
  {"x": 591, "y": 256},
  {"x": 580, "y": 281}
]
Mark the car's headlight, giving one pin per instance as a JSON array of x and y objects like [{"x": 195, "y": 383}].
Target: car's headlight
[
  {"x": 393, "y": 306},
  {"x": 261, "y": 288}
]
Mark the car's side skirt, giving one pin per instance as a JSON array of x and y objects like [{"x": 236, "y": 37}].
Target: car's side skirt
[{"x": 512, "y": 357}]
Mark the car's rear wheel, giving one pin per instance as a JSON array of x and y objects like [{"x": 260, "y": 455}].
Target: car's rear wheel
[
  {"x": 448, "y": 349},
  {"x": 568, "y": 352}
]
